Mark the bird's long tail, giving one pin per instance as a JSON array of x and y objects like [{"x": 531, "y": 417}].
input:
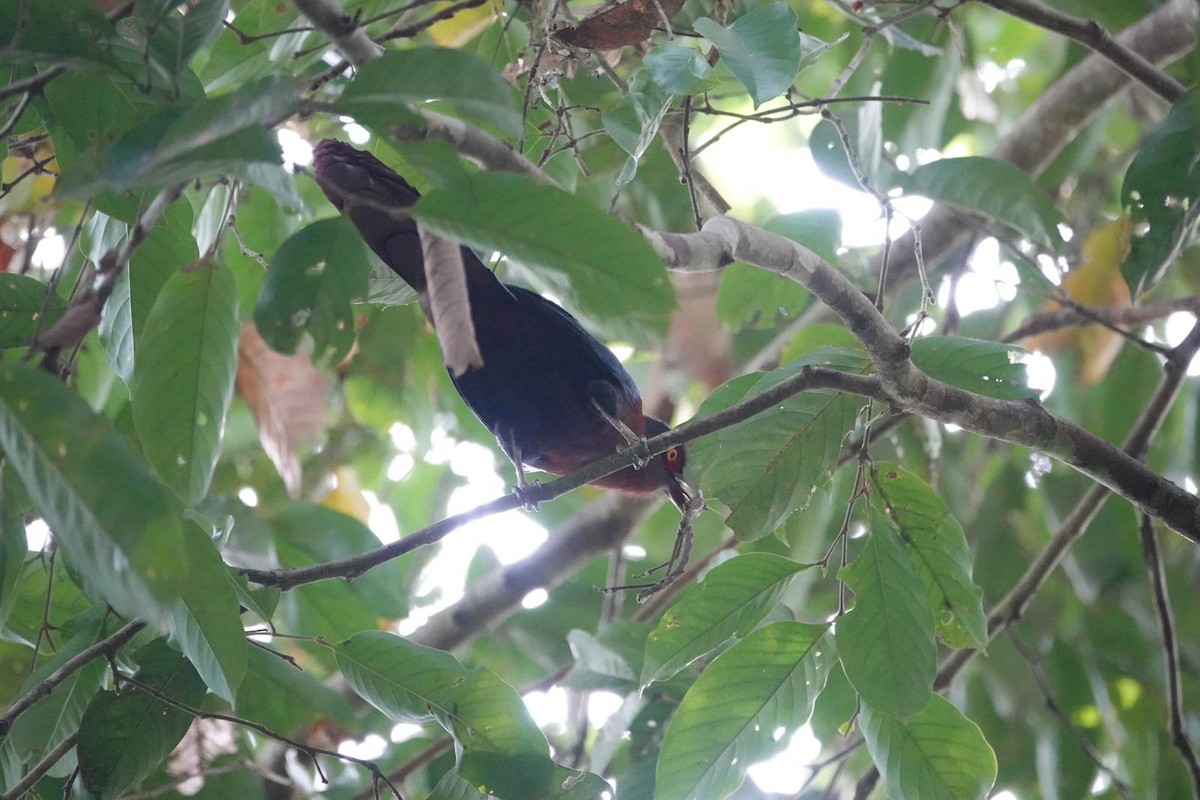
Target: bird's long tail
[{"x": 370, "y": 195}]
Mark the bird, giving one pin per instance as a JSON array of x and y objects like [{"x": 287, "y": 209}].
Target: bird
[{"x": 555, "y": 397}]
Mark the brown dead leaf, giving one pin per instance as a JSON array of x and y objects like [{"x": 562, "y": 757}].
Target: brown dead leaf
[
  {"x": 449, "y": 307},
  {"x": 619, "y": 25},
  {"x": 287, "y": 396}
]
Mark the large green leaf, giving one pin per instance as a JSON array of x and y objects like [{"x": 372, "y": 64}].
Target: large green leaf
[
  {"x": 766, "y": 469},
  {"x": 939, "y": 550},
  {"x": 230, "y": 134},
  {"x": 467, "y": 83},
  {"x": 64, "y": 32},
  {"x": 734, "y": 597},
  {"x": 206, "y": 621},
  {"x": 120, "y": 527},
  {"x": 936, "y": 754},
  {"x": 886, "y": 641},
  {"x": 1161, "y": 189},
  {"x": 124, "y": 737},
  {"x": 986, "y": 368},
  {"x": 761, "y": 49},
  {"x": 634, "y": 123},
  {"x": 730, "y": 717},
  {"x": 612, "y": 272},
  {"x": 312, "y": 279},
  {"x": 183, "y": 382},
  {"x": 169, "y": 247},
  {"x": 996, "y": 189},
  {"x": 679, "y": 70},
  {"x": 26, "y": 307},
  {"x": 56, "y": 716},
  {"x": 502, "y": 750}
]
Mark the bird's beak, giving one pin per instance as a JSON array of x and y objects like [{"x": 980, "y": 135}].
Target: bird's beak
[{"x": 680, "y": 492}]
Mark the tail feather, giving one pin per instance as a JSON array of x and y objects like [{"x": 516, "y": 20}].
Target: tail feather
[{"x": 370, "y": 194}]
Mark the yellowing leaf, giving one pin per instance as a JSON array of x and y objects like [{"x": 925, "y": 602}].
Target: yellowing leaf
[
  {"x": 30, "y": 195},
  {"x": 347, "y": 496},
  {"x": 1096, "y": 281},
  {"x": 463, "y": 26}
]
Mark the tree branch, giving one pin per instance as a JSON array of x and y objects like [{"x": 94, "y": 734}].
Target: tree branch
[
  {"x": 1092, "y": 34},
  {"x": 30, "y": 779},
  {"x": 1166, "y": 623},
  {"x": 808, "y": 378},
  {"x": 907, "y": 388},
  {"x": 347, "y": 36},
  {"x": 104, "y": 647},
  {"x": 1051, "y": 123}
]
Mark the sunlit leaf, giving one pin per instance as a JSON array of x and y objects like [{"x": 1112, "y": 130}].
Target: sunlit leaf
[
  {"x": 936, "y": 754},
  {"x": 730, "y": 717},
  {"x": 987, "y": 368},
  {"x": 733, "y": 597},
  {"x": 761, "y": 49},
  {"x": 886, "y": 641}
]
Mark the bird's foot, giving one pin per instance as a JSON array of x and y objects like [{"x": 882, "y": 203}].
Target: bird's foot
[
  {"x": 639, "y": 450},
  {"x": 528, "y": 493}
]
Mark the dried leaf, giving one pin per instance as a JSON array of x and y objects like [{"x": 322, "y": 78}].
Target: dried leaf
[
  {"x": 287, "y": 396},
  {"x": 449, "y": 306},
  {"x": 618, "y": 25}
]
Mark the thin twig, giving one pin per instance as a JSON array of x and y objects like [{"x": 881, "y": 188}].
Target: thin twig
[
  {"x": 1162, "y": 609},
  {"x": 105, "y": 647},
  {"x": 30, "y": 779}
]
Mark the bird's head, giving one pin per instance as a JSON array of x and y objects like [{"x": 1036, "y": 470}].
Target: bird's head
[{"x": 670, "y": 467}]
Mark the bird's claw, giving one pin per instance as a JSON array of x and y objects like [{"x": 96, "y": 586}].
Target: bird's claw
[
  {"x": 639, "y": 450},
  {"x": 527, "y": 494}
]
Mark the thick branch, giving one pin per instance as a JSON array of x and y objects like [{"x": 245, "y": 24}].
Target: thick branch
[
  {"x": 342, "y": 30},
  {"x": 907, "y": 388},
  {"x": 597, "y": 528},
  {"x": 1095, "y": 36}
]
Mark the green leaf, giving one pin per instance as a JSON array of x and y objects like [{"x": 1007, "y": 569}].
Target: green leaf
[
  {"x": 761, "y": 49},
  {"x": 936, "y": 754},
  {"x": 611, "y": 271},
  {"x": 503, "y": 751},
  {"x": 465, "y": 82},
  {"x": 608, "y": 660},
  {"x": 986, "y": 368},
  {"x": 735, "y": 596},
  {"x": 1161, "y": 189},
  {"x": 169, "y": 247},
  {"x": 64, "y": 32},
  {"x": 229, "y": 134},
  {"x": 119, "y": 526},
  {"x": 766, "y": 468},
  {"x": 730, "y": 717},
  {"x": 886, "y": 641},
  {"x": 14, "y": 549},
  {"x": 757, "y": 298},
  {"x": 939, "y": 550},
  {"x": 206, "y": 621},
  {"x": 679, "y": 70},
  {"x": 312, "y": 280},
  {"x": 183, "y": 382},
  {"x": 276, "y": 694},
  {"x": 26, "y": 307},
  {"x": 634, "y": 123},
  {"x": 124, "y": 737},
  {"x": 996, "y": 189},
  {"x": 56, "y": 716}
]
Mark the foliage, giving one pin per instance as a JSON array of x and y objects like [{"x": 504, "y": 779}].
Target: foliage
[{"x": 216, "y": 383}]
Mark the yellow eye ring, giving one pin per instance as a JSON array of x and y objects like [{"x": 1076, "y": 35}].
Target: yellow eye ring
[{"x": 672, "y": 455}]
